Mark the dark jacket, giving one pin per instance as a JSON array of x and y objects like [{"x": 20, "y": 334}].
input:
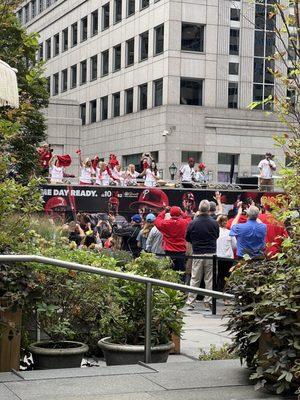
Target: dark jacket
[
  {"x": 129, "y": 234},
  {"x": 203, "y": 233}
]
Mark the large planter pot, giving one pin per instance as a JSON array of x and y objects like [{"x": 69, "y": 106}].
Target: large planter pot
[
  {"x": 123, "y": 354},
  {"x": 53, "y": 355}
]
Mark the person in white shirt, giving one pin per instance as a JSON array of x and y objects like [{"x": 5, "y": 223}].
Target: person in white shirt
[
  {"x": 118, "y": 175},
  {"x": 266, "y": 168},
  {"x": 131, "y": 175},
  {"x": 151, "y": 175},
  {"x": 86, "y": 171},
  {"x": 56, "y": 172},
  {"x": 187, "y": 172},
  {"x": 102, "y": 175},
  {"x": 225, "y": 250}
]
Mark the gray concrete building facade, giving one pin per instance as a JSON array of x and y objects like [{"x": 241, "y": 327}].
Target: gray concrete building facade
[{"x": 173, "y": 77}]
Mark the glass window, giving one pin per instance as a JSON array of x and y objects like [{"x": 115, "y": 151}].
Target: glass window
[
  {"x": 260, "y": 16},
  {"x": 41, "y": 6},
  {"x": 117, "y": 58},
  {"x": 118, "y": 11},
  {"x": 55, "y": 84},
  {"x": 129, "y": 101},
  {"x": 143, "y": 95},
  {"x": 129, "y": 52},
  {"x": 65, "y": 39},
  {"x": 41, "y": 51},
  {"x": 259, "y": 40},
  {"x": 270, "y": 22},
  {"x": 255, "y": 160},
  {"x": 83, "y": 72},
  {"x": 269, "y": 67},
  {"x": 225, "y": 161},
  {"x": 116, "y": 104},
  {"x": 196, "y": 155},
  {"x": 235, "y": 14},
  {"x": 105, "y": 16},
  {"x": 159, "y": 39},
  {"x": 144, "y": 45},
  {"x": 234, "y": 41},
  {"x": 84, "y": 29},
  {"x": 130, "y": 7},
  {"x": 233, "y": 95},
  {"x": 192, "y": 37},
  {"x": 258, "y": 94},
  {"x": 48, "y": 49},
  {"x": 48, "y": 84},
  {"x": 233, "y": 68},
  {"x": 94, "y": 67},
  {"x": 158, "y": 93},
  {"x": 104, "y": 62},
  {"x": 144, "y": 4},
  {"x": 291, "y": 96},
  {"x": 73, "y": 76},
  {"x": 191, "y": 92},
  {"x": 104, "y": 108},
  {"x": 270, "y": 44},
  {"x": 74, "y": 31},
  {"x": 94, "y": 23},
  {"x": 258, "y": 71},
  {"x": 56, "y": 45},
  {"x": 93, "y": 111},
  {"x": 33, "y": 8},
  {"x": 83, "y": 113},
  {"x": 26, "y": 8},
  {"x": 64, "y": 80}
]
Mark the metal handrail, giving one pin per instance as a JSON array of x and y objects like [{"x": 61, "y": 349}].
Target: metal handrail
[{"x": 120, "y": 275}]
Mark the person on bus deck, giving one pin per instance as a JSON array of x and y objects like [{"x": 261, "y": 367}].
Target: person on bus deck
[
  {"x": 151, "y": 175},
  {"x": 86, "y": 170},
  {"x": 187, "y": 172},
  {"x": 102, "y": 175},
  {"x": 266, "y": 168},
  {"x": 56, "y": 171},
  {"x": 131, "y": 175}
]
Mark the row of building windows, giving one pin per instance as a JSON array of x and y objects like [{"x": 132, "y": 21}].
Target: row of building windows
[{"x": 32, "y": 9}]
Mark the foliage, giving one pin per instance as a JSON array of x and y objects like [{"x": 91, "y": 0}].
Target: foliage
[
  {"x": 215, "y": 353},
  {"x": 125, "y": 313},
  {"x": 21, "y": 129}
]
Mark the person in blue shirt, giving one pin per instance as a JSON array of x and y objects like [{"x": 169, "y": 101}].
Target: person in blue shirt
[{"x": 250, "y": 236}]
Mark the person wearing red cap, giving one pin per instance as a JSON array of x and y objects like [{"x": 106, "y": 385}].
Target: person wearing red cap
[{"x": 174, "y": 231}]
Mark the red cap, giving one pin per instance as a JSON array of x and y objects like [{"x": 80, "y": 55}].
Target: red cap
[
  {"x": 152, "y": 197},
  {"x": 55, "y": 202},
  {"x": 64, "y": 160},
  {"x": 175, "y": 211},
  {"x": 113, "y": 200}
]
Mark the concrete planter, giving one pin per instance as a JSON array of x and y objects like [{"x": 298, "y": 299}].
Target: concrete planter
[
  {"x": 52, "y": 355},
  {"x": 123, "y": 354}
]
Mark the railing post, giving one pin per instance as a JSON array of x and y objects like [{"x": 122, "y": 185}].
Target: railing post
[
  {"x": 148, "y": 323},
  {"x": 214, "y": 284}
]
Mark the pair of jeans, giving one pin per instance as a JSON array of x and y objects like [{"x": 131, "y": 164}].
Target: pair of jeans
[{"x": 201, "y": 268}]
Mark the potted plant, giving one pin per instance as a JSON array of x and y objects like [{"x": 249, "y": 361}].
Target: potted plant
[{"x": 124, "y": 318}]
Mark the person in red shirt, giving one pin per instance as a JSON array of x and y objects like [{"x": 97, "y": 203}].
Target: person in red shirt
[
  {"x": 174, "y": 231},
  {"x": 276, "y": 233}
]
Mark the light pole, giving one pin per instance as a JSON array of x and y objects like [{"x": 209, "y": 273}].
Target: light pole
[{"x": 173, "y": 171}]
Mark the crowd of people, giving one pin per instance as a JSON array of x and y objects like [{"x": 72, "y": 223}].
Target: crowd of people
[{"x": 251, "y": 231}]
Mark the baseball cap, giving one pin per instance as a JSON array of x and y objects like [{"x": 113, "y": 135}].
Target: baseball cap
[
  {"x": 136, "y": 218},
  {"x": 175, "y": 211},
  {"x": 150, "y": 217},
  {"x": 151, "y": 197}
]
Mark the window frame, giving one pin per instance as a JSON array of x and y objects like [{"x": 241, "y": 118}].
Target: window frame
[
  {"x": 201, "y": 41},
  {"x": 127, "y": 52},
  {"x": 116, "y": 69},
  {"x": 141, "y": 35},
  {"x": 155, "y": 52},
  {"x": 194, "y": 80}
]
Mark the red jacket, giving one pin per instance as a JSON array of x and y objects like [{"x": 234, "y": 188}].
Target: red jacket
[
  {"x": 173, "y": 231},
  {"x": 276, "y": 233}
]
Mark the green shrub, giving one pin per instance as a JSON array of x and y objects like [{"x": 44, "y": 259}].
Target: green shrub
[{"x": 214, "y": 353}]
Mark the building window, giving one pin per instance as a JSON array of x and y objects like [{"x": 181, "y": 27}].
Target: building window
[
  {"x": 117, "y": 58},
  {"x": 105, "y": 16},
  {"x": 116, "y": 104},
  {"x": 227, "y": 167},
  {"x": 73, "y": 76},
  {"x": 19, "y": 15},
  {"x": 232, "y": 95},
  {"x": 159, "y": 39},
  {"x": 234, "y": 41},
  {"x": 129, "y": 101},
  {"x": 130, "y": 7},
  {"x": 41, "y": 51},
  {"x": 144, "y": 45},
  {"x": 235, "y": 14},
  {"x": 196, "y": 155},
  {"x": 64, "y": 80},
  {"x": 84, "y": 29},
  {"x": 143, "y": 96},
  {"x": 26, "y": 8},
  {"x": 83, "y": 72},
  {"x": 74, "y": 31},
  {"x": 192, "y": 37},
  {"x": 65, "y": 39},
  {"x": 83, "y": 113},
  {"x": 158, "y": 93},
  {"x": 93, "y": 111},
  {"x": 94, "y": 23},
  {"x": 191, "y": 92},
  {"x": 104, "y": 62},
  {"x": 144, "y": 4},
  {"x": 117, "y": 11},
  {"x": 233, "y": 68},
  {"x": 33, "y": 8},
  {"x": 129, "y": 52},
  {"x": 94, "y": 67},
  {"x": 255, "y": 160},
  {"x": 48, "y": 79},
  {"x": 48, "y": 49},
  {"x": 56, "y": 45},
  {"x": 41, "y": 6},
  {"x": 104, "y": 108},
  {"x": 55, "y": 84}
]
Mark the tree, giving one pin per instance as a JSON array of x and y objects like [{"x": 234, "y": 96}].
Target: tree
[{"x": 21, "y": 130}]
